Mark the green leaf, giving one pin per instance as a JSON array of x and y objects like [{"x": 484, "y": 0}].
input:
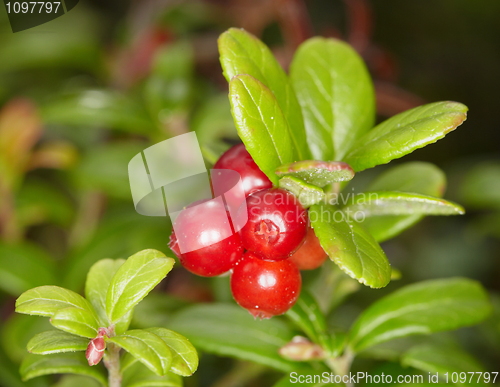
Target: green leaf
[
  {"x": 336, "y": 94},
  {"x": 422, "y": 308},
  {"x": 61, "y": 363},
  {"x": 319, "y": 173},
  {"x": 307, "y": 194},
  {"x": 134, "y": 280},
  {"x": 438, "y": 359},
  {"x": 229, "y": 330},
  {"x": 76, "y": 321},
  {"x": 481, "y": 186},
  {"x": 243, "y": 53},
  {"x": 146, "y": 347},
  {"x": 185, "y": 357},
  {"x": 404, "y": 133},
  {"x": 76, "y": 381},
  {"x": 380, "y": 203},
  {"x": 307, "y": 315},
  {"x": 23, "y": 267},
  {"x": 351, "y": 247},
  {"x": 56, "y": 341},
  {"x": 419, "y": 177},
  {"x": 261, "y": 124},
  {"x": 47, "y": 300},
  {"x": 96, "y": 289},
  {"x": 137, "y": 375},
  {"x": 98, "y": 108}
]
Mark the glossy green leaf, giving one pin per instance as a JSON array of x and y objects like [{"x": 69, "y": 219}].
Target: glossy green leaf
[
  {"x": 436, "y": 358},
  {"x": 350, "y": 246},
  {"x": 379, "y": 203},
  {"x": 96, "y": 289},
  {"x": 306, "y": 314},
  {"x": 185, "y": 357},
  {"x": 76, "y": 321},
  {"x": 134, "y": 280},
  {"x": 243, "y": 53},
  {"x": 307, "y": 194},
  {"x": 261, "y": 124},
  {"x": 56, "y": 341},
  {"x": 137, "y": 375},
  {"x": 336, "y": 94},
  {"x": 23, "y": 267},
  {"x": 61, "y": 363},
  {"x": 422, "y": 308},
  {"x": 404, "y": 133},
  {"x": 319, "y": 173},
  {"x": 229, "y": 330},
  {"x": 47, "y": 300},
  {"x": 101, "y": 108},
  {"x": 419, "y": 177},
  {"x": 146, "y": 347}
]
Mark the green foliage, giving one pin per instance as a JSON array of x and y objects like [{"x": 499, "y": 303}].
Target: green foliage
[{"x": 113, "y": 289}]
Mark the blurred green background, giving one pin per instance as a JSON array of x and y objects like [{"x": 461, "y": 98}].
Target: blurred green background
[{"x": 81, "y": 95}]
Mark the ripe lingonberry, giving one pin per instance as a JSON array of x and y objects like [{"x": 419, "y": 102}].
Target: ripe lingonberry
[
  {"x": 238, "y": 159},
  {"x": 265, "y": 288},
  {"x": 203, "y": 239},
  {"x": 276, "y": 226},
  {"x": 310, "y": 255}
]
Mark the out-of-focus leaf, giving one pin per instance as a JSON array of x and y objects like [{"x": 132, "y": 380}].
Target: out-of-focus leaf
[
  {"x": 105, "y": 168},
  {"x": 137, "y": 375},
  {"x": 185, "y": 357},
  {"x": 76, "y": 381},
  {"x": 56, "y": 341},
  {"x": 101, "y": 108},
  {"x": 336, "y": 94},
  {"x": 9, "y": 374},
  {"x": 481, "y": 186},
  {"x": 422, "y": 308},
  {"x": 48, "y": 300},
  {"x": 55, "y": 154},
  {"x": 60, "y": 363},
  {"x": 17, "y": 331},
  {"x": 229, "y": 330},
  {"x": 156, "y": 310},
  {"x": 20, "y": 129},
  {"x": 23, "y": 267},
  {"x": 309, "y": 376},
  {"x": 169, "y": 87},
  {"x": 307, "y": 194},
  {"x": 319, "y": 173},
  {"x": 243, "y": 53},
  {"x": 38, "y": 202},
  {"x": 77, "y": 321},
  {"x": 439, "y": 359},
  {"x": 96, "y": 290},
  {"x": 419, "y": 177},
  {"x": 146, "y": 347},
  {"x": 404, "y": 133},
  {"x": 380, "y": 203},
  {"x": 134, "y": 280},
  {"x": 261, "y": 124},
  {"x": 350, "y": 246},
  {"x": 307, "y": 315}
]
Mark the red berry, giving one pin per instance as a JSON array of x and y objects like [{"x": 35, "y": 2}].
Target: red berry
[
  {"x": 276, "y": 226},
  {"x": 310, "y": 255},
  {"x": 238, "y": 159},
  {"x": 265, "y": 288},
  {"x": 203, "y": 239}
]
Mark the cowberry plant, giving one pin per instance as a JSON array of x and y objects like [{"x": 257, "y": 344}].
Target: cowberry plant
[{"x": 98, "y": 324}]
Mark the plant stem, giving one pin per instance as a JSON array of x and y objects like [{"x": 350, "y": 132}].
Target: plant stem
[
  {"x": 341, "y": 365},
  {"x": 112, "y": 363}
]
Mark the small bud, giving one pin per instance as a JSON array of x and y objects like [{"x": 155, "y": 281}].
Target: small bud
[
  {"x": 301, "y": 349},
  {"x": 95, "y": 350}
]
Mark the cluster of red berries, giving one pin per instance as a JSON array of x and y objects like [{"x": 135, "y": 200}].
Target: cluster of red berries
[{"x": 278, "y": 241}]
